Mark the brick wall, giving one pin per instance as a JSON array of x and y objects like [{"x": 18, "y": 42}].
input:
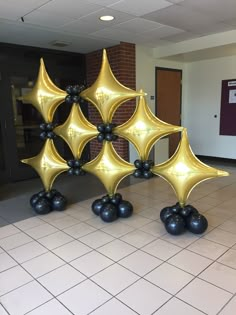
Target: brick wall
[{"x": 122, "y": 61}]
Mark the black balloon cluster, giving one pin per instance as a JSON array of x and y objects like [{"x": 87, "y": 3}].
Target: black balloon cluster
[
  {"x": 75, "y": 167},
  {"x": 73, "y": 94},
  {"x": 143, "y": 169},
  {"x": 47, "y": 201},
  {"x": 111, "y": 208},
  {"x": 105, "y": 132},
  {"x": 177, "y": 219},
  {"x": 47, "y": 131}
]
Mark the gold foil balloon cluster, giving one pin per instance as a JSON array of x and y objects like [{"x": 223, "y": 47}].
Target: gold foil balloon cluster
[{"x": 183, "y": 171}]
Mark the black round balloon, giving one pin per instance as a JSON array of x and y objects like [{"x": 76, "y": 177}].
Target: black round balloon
[
  {"x": 125, "y": 209},
  {"x": 51, "y": 135},
  {"x": 138, "y": 164},
  {"x": 42, "y": 193},
  {"x": 75, "y": 89},
  {"x": 147, "y": 174},
  {"x": 34, "y": 199},
  {"x": 175, "y": 224},
  {"x": 176, "y": 208},
  {"x": 196, "y": 223},
  {"x": 108, "y": 128},
  {"x": 108, "y": 212},
  {"x": 58, "y": 202},
  {"x": 108, "y": 136},
  {"x": 137, "y": 173},
  {"x": 101, "y": 127},
  {"x": 116, "y": 199},
  {"x": 97, "y": 206},
  {"x": 100, "y": 137},
  {"x": 106, "y": 199},
  {"x": 146, "y": 165},
  {"x": 42, "y": 206},
  {"x": 49, "y": 126},
  {"x": 69, "y": 89},
  {"x": 69, "y": 99},
  {"x": 43, "y": 126},
  {"x": 43, "y": 135},
  {"x": 187, "y": 210},
  {"x": 75, "y": 98},
  {"x": 77, "y": 163},
  {"x": 166, "y": 213},
  {"x": 192, "y": 209},
  {"x": 76, "y": 171}
]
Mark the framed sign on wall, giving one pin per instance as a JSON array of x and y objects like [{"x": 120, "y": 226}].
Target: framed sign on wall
[{"x": 228, "y": 108}]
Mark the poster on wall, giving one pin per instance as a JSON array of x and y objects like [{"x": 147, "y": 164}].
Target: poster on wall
[{"x": 228, "y": 108}]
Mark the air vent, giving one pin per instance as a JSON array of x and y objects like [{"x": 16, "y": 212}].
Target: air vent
[{"x": 59, "y": 43}]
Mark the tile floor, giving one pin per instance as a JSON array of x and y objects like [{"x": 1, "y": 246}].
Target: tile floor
[{"x": 71, "y": 262}]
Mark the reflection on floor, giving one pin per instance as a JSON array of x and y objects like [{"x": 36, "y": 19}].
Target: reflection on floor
[{"x": 71, "y": 262}]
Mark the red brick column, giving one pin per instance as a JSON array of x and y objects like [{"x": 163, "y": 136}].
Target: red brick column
[{"x": 122, "y": 62}]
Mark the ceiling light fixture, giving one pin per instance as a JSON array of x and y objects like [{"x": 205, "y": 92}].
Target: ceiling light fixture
[{"x": 106, "y": 18}]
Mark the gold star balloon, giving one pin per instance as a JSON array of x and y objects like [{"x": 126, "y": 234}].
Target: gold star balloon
[
  {"x": 109, "y": 167},
  {"x": 143, "y": 129},
  {"x": 45, "y": 95},
  {"x": 48, "y": 164},
  {"x": 184, "y": 170},
  {"x": 106, "y": 93},
  {"x": 76, "y": 131}
]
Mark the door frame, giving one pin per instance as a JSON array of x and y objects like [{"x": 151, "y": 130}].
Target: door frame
[{"x": 156, "y": 92}]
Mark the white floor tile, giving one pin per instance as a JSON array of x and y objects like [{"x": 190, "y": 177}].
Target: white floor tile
[
  {"x": 42, "y": 264},
  {"x": 15, "y": 240},
  {"x": 25, "y": 298},
  {"x": 177, "y": 307},
  {"x": 204, "y": 296},
  {"x": 230, "y": 308},
  {"x": 96, "y": 239},
  {"x": 50, "y": 308},
  {"x": 222, "y": 237},
  {"x": 154, "y": 228},
  {"x": 119, "y": 229},
  {"x": 2, "y": 311},
  {"x": 141, "y": 263},
  {"x": 140, "y": 297},
  {"x": 27, "y": 251},
  {"x": 6, "y": 262},
  {"x": 72, "y": 250},
  {"x": 84, "y": 298},
  {"x": 28, "y": 223},
  {"x": 61, "y": 279},
  {"x": 229, "y": 258},
  {"x": 138, "y": 238},
  {"x": 190, "y": 262},
  {"x": 64, "y": 222},
  {"x": 169, "y": 278},
  {"x": 161, "y": 249},
  {"x": 13, "y": 278},
  {"x": 115, "y": 278},
  {"x": 79, "y": 230},
  {"x": 221, "y": 276},
  {"x": 8, "y": 230},
  {"x": 55, "y": 240},
  {"x": 207, "y": 248},
  {"x": 113, "y": 307},
  {"x": 41, "y": 231},
  {"x": 137, "y": 221},
  {"x": 116, "y": 250},
  {"x": 182, "y": 240},
  {"x": 91, "y": 263}
]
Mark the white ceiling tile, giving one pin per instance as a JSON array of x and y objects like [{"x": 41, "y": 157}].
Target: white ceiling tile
[
  {"x": 221, "y": 9},
  {"x": 139, "y": 8},
  {"x": 181, "y": 17},
  {"x": 162, "y": 32},
  {"x": 46, "y": 19},
  {"x": 83, "y": 27},
  {"x": 139, "y": 25},
  {"x": 104, "y": 2},
  {"x": 73, "y": 9}
]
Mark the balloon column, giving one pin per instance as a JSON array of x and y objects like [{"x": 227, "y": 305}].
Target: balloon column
[{"x": 183, "y": 171}]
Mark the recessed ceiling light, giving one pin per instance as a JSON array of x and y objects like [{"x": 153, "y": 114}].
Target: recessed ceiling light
[{"x": 106, "y": 18}]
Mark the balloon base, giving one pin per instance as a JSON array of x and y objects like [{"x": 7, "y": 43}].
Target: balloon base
[
  {"x": 47, "y": 201},
  {"x": 110, "y": 208},
  {"x": 178, "y": 219}
]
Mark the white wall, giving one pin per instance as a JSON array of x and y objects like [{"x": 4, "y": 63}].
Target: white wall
[
  {"x": 201, "y": 96},
  {"x": 203, "y": 100}
]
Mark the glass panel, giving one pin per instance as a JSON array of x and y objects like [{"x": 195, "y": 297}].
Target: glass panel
[
  {"x": 26, "y": 119},
  {"x": 2, "y": 164}
]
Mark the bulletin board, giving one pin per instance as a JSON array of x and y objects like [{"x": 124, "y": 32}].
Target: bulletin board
[{"x": 228, "y": 108}]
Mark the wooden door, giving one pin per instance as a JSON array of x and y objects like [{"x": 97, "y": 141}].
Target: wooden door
[{"x": 168, "y": 100}]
